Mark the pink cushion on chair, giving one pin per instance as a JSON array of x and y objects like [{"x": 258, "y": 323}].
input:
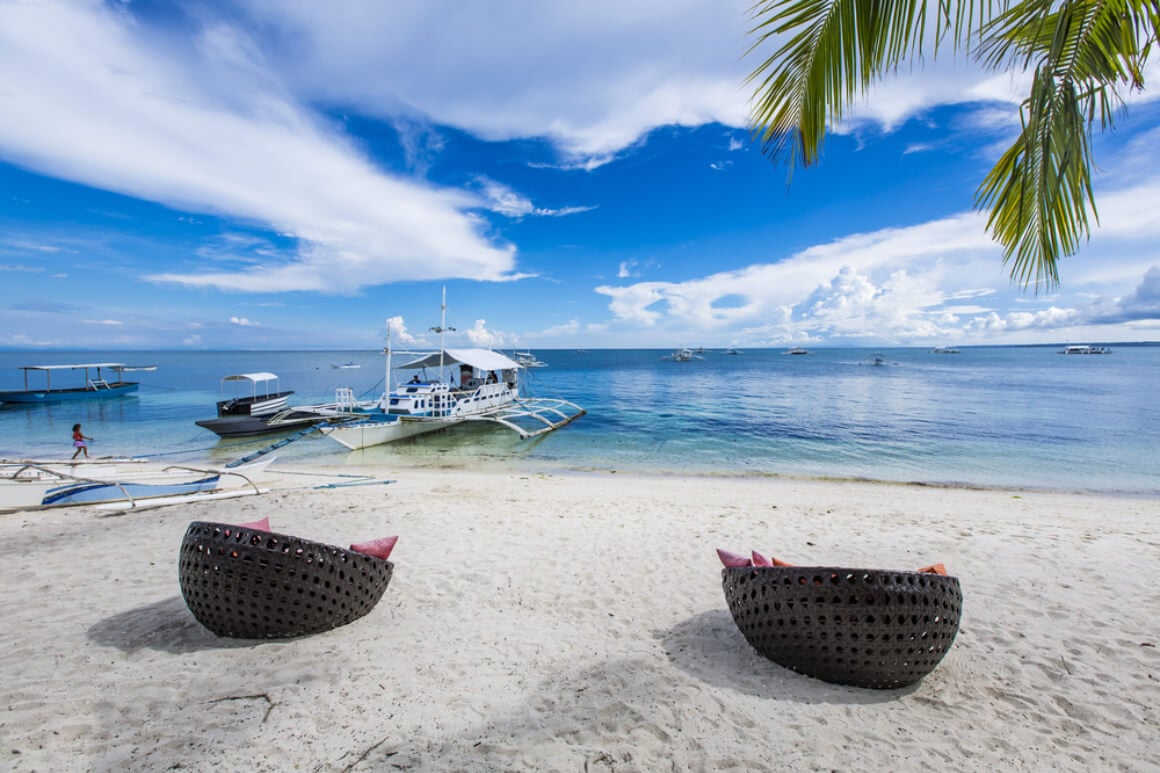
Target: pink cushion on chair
[
  {"x": 732, "y": 559},
  {"x": 262, "y": 525},
  {"x": 378, "y": 548}
]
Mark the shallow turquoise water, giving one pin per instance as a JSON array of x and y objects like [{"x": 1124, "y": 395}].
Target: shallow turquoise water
[{"x": 1024, "y": 417}]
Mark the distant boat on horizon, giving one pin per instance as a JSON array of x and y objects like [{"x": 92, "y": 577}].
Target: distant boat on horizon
[
  {"x": 683, "y": 355},
  {"x": 1085, "y": 349}
]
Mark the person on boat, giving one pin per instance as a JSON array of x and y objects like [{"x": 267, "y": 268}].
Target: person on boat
[
  {"x": 79, "y": 442},
  {"x": 491, "y": 377},
  {"x": 415, "y": 379}
]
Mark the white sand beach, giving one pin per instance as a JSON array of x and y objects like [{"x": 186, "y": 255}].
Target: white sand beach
[{"x": 556, "y": 622}]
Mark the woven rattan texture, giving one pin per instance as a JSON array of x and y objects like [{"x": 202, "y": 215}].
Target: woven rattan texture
[
  {"x": 260, "y": 585},
  {"x": 861, "y": 627}
]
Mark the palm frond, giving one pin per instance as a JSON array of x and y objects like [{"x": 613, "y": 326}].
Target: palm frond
[
  {"x": 1040, "y": 192},
  {"x": 832, "y": 51}
]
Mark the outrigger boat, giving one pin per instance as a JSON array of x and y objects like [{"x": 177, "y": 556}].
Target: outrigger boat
[
  {"x": 684, "y": 355},
  {"x": 265, "y": 409},
  {"x": 529, "y": 360},
  {"x": 488, "y": 390},
  {"x": 1085, "y": 349},
  {"x": 26, "y": 485},
  {"x": 94, "y": 387}
]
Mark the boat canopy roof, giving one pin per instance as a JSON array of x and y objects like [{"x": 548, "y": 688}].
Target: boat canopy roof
[
  {"x": 81, "y": 366},
  {"x": 254, "y": 377},
  {"x": 484, "y": 359}
]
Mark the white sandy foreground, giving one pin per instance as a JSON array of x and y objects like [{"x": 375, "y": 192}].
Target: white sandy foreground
[{"x": 577, "y": 623}]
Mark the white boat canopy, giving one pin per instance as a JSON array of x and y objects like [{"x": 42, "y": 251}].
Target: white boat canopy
[
  {"x": 484, "y": 359},
  {"x": 254, "y": 377}
]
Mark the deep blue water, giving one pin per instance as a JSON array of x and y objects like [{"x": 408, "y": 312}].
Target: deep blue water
[{"x": 1023, "y": 417}]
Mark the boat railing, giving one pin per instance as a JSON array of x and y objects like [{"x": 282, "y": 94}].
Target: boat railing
[{"x": 218, "y": 472}]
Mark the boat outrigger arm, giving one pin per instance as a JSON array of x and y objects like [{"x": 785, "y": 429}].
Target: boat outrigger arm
[{"x": 549, "y": 412}]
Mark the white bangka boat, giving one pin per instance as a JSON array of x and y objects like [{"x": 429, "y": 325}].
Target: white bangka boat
[
  {"x": 488, "y": 390},
  {"x": 1085, "y": 349},
  {"x": 34, "y": 484},
  {"x": 528, "y": 360},
  {"x": 683, "y": 355}
]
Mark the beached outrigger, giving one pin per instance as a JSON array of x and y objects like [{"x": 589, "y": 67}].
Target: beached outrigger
[
  {"x": 488, "y": 389},
  {"x": 35, "y": 484}
]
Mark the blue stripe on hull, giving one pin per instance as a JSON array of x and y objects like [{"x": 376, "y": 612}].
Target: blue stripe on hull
[
  {"x": 91, "y": 493},
  {"x": 61, "y": 395}
]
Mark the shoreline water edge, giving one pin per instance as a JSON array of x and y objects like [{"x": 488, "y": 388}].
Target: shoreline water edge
[{"x": 1005, "y": 417}]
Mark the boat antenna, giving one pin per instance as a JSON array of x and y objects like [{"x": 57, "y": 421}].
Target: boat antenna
[
  {"x": 387, "y": 380},
  {"x": 442, "y": 329}
]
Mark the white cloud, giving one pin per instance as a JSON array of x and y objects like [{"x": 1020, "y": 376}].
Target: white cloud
[
  {"x": 397, "y": 327},
  {"x": 505, "y": 201},
  {"x": 593, "y": 77},
  {"x": 896, "y": 285},
  {"x": 242, "y": 322},
  {"x": 480, "y": 335},
  {"x": 207, "y": 126}
]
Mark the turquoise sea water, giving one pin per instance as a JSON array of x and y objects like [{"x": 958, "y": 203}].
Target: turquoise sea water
[{"x": 1024, "y": 417}]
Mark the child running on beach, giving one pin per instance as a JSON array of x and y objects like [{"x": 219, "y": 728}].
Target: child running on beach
[{"x": 79, "y": 442}]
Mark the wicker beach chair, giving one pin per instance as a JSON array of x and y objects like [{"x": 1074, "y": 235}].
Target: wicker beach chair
[
  {"x": 860, "y": 627},
  {"x": 251, "y": 584}
]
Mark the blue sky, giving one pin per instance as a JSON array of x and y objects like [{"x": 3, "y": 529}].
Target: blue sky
[{"x": 291, "y": 174}]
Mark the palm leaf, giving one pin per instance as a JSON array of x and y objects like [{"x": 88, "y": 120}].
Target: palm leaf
[
  {"x": 1040, "y": 192},
  {"x": 832, "y": 51}
]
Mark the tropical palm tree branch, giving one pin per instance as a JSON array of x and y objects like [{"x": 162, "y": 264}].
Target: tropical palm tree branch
[
  {"x": 1083, "y": 49},
  {"x": 1039, "y": 191},
  {"x": 835, "y": 49}
]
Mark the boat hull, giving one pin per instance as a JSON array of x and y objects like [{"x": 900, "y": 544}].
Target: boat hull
[
  {"x": 20, "y": 495},
  {"x": 92, "y": 493},
  {"x": 360, "y": 435},
  {"x": 36, "y": 397},
  {"x": 252, "y": 426}
]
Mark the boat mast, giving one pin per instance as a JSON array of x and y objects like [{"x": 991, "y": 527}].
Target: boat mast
[
  {"x": 442, "y": 329},
  {"x": 387, "y": 380}
]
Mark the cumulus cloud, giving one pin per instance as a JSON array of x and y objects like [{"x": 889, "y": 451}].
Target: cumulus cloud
[
  {"x": 1142, "y": 304},
  {"x": 242, "y": 322},
  {"x": 900, "y": 285},
  {"x": 480, "y": 335},
  {"x": 397, "y": 327}
]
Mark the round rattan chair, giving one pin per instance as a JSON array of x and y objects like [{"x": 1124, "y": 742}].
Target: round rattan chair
[
  {"x": 860, "y": 627},
  {"x": 251, "y": 584}
]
